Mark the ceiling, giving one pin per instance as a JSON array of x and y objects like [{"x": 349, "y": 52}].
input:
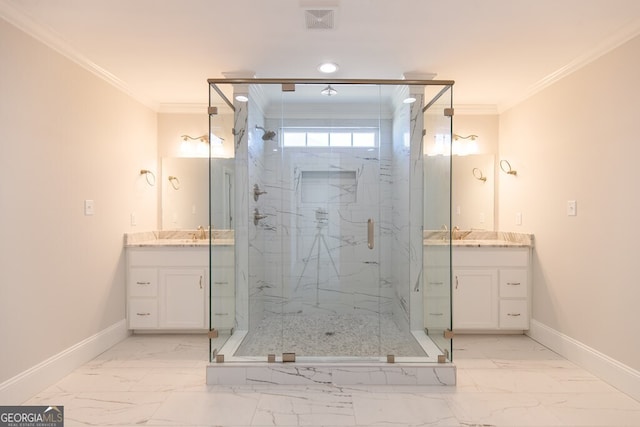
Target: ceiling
[{"x": 162, "y": 51}]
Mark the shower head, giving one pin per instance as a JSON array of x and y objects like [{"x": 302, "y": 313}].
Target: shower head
[{"x": 268, "y": 134}]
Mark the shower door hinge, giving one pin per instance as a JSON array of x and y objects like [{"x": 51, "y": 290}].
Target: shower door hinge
[
  {"x": 448, "y": 112},
  {"x": 288, "y": 357},
  {"x": 213, "y": 333},
  {"x": 288, "y": 87},
  {"x": 391, "y": 358},
  {"x": 213, "y": 111},
  {"x": 448, "y": 334},
  {"x": 442, "y": 358},
  {"x": 219, "y": 358}
]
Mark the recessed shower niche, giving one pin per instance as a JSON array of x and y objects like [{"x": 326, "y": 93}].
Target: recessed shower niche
[
  {"x": 328, "y": 260},
  {"x": 326, "y": 187}
]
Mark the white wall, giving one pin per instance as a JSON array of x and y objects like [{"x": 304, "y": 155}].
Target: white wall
[
  {"x": 65, "y": 136},
  {"x": 578, "y": 140}
]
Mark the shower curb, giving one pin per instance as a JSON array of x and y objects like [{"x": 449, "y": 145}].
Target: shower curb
[{"x": 339, "y": 374}]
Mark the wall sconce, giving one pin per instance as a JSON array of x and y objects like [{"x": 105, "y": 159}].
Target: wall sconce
[
  {"x": 477, "y": 174},
  {"x": 462, "y": 149},
  {"x": 199, "y": 146},
  {"x": 201, "y": 138},
  {"x": 506, "y": 168},
  {"x": 175, "y": 182},
  {"x": 146, "y": 174}
]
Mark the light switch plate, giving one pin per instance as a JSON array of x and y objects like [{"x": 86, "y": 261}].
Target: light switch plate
[
  {"x": 519, "y": 218},
  {"x": 572, "y": 208},
  {"x": 88, "y": 207}
]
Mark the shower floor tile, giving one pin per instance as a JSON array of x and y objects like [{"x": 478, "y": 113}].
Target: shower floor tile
[{"x": 330, "y": 335}]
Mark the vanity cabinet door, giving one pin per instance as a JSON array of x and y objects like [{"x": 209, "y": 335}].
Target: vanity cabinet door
[
  {"x": 475, "y": 299},
  {"x": 183, "y": 298}
]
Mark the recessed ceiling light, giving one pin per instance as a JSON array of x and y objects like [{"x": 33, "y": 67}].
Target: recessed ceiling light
[
  {"x": 328, "y": 67},
  {"x": 241, "y": 98}
]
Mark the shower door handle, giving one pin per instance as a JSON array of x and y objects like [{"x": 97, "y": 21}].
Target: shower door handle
[{"x": 370, "y": 233}]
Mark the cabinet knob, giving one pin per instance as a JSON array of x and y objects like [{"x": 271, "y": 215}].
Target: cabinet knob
[
  {"x": 143, "y": 283},
  {"x": 220, "y": 283},
  {"x": 513, "y": 283},
  {"x": 143, "y": 314},
  {"x": 513, "y": 314},
  {"x": 436, "y": 314},
  {"x": 436, "y": 283},
  {"x": 200, "y": 282}
]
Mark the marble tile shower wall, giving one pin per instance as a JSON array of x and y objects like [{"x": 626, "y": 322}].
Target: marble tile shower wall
[
  {"x": 399, "y": 223},
  {"x": 240, "y": 125},
  {"x": 276, "y": 267},
  {"x": 258, "y": 244},
  {"x": 295, "y": 278}
]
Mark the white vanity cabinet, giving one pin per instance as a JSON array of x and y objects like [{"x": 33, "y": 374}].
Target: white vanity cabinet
[
  {"x": 168, "y": 288},
  {"x": 490, "y": 289}
]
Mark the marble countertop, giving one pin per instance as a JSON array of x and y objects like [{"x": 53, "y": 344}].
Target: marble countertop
[
  {"x": 178, "y": 238},
  {"x": 473, "y": 238}
]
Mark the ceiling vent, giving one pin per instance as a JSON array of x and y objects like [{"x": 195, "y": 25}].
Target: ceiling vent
[{"x": 319, "y": 19}]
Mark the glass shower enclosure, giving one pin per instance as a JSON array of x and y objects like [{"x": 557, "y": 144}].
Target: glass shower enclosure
[{"x": 330, "y": 207}]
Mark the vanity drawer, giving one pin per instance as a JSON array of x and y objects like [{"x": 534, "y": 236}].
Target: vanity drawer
[
  {"x": 436, "y": 282},
  {"x": 222, "y": 282},
  {"x": 143, "y": 282},
  {"x": 514, "y": 314},
  {"x": 437, "y": 313},
  {"x": 143, "y": 313},
  {"x": 513, "y": 283},
  {"x": 223, "y": 312}
]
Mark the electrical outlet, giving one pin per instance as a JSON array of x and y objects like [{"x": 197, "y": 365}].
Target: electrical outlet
[{"x": 133, "y": 219}]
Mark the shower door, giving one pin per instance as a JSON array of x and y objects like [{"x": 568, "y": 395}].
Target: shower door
[
  {"x": 325, "y": 280},
  {"x": 328, "y": 231},
  {"x": 316, "y": 251}
]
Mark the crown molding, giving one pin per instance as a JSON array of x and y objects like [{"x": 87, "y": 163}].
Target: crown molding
[
  {"x": 183, "y": 108},
  {"x": 605, "y": 46},
  {"x": 21, "y": 20},
  {"x": 475, "y": 109}
]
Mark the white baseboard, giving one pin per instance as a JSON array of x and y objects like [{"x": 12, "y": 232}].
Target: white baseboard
[
  {"x": 27, "y": 384},
  {"x": 619, "y": 375}
]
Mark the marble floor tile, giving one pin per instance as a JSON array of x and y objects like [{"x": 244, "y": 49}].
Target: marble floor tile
[{"x": 159, "y": 380}]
